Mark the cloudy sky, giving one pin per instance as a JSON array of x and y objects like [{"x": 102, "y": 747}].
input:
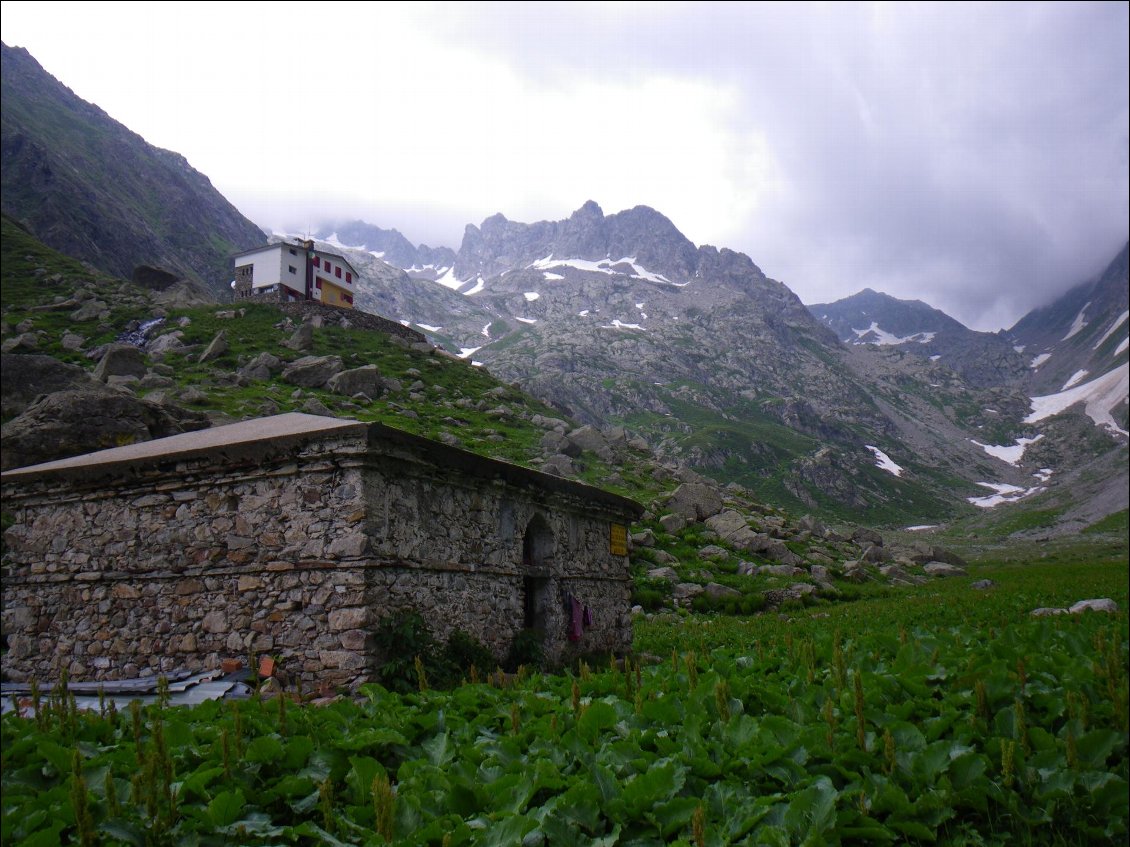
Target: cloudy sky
[{"x": 972, "y": 156}]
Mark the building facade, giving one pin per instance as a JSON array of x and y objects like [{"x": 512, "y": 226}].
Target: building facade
[
  {"x": 295, "y": 536},
  {"x": 295, "y": 271}
]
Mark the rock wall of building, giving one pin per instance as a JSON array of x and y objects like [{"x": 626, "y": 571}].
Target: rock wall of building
[{"x": 297, "y": 555}]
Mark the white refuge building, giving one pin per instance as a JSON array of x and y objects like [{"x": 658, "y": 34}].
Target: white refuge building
[{"x": 290, "y": 271}]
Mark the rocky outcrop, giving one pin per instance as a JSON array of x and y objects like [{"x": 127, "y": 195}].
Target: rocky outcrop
[
  {"x": 695, "y": 501},
  {"x": 24, "y": 377},
  {"x": 312, "y": 371},
  {"x": 72, "y": 422}
]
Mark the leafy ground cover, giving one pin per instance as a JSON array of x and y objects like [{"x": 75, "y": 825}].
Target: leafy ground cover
[{"x": 942, "y": 714}]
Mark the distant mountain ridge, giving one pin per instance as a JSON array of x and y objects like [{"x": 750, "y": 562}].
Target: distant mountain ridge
[
  {"x": 1080, "y": 335},
  {"x": 869, "y": 317},
  {"x": 88, "y": 186},
  {"x": 389, "y": 245}
]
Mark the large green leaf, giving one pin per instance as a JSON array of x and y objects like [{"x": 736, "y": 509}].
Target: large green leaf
[
  {"x": 226, "y": 807},
  {"x": 658, "y": 783},
  {"x": 812, "y": 812}
]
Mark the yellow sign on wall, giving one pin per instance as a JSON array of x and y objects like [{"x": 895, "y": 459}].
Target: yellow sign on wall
[{"x": 618, "y": 540}]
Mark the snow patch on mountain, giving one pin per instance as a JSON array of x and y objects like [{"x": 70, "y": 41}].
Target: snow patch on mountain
[
  {"x": 883, "y": 338},
  {"x": 604, "y": 266},
  {"x": 1039, "y": 360},
  {"x": 486, "y": 329},
  {"x": 1076, "y": 378},
  {"x": 1099, "y": 396},
  {"x": 1011, "y": 453},
  {"x": 527, "y": 320},
  {"x": 549, "y": 275},
  {"x": 618, "y": 324},
  {"x": 450, "y": 280},
  {"x": 883, "y": 461},
  {"x": 531, "y": 296},
  {"x": 478, "y": 286},
  {"x": 1113, "y": 328},
  {"x": 1122, "y": 347},
  {"x": 427, "y": 328},
  {"x": 1078, "y": 324},
  {"x": 1005, "y": 493}
]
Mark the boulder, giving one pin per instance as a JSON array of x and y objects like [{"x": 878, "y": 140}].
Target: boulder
[
  {"x": 695, "y": 501},
  {"x": 813, "y": 525},
  {"x": 942, "y": 569},
  {"x": 1102, "y": 604},
  {"x": 312, "y": 371},
  {"x": 120, "y": 360},
  {"x": 664, "y": 558},
  {"x": 302, "y": 339},
  {"x": 712, "y": 551},
  {"x": 874, "y": 554},
  {"x": 983, "y": 584},
  {"x": 780, "y": 570},
  {"x": 261, "y": 367},
  {"x": 72, "y": 341},
  {"x": 559, "y": 465},
  {"x": 554, "y": 442},
  {"x": 590, "y": 438},
  {"x": 727, "y": 523},
  {"x": 673, "y": 523},
  {"x": 863, "y": 536},
  {"x": 25, "y": 376},
  {"x": 69, "y": 423},
  {"x": 365, "y": 380},
  {"x": 89, "y": 311},
  {"x": 717, "y": 591},
  {"x": 162, "y": 344},
  {"x": 216, "y": 347},
  {"x": 1046, "y": 612},
  {"x": 23, "y": 341},
  {"x": 686, "y": 591},
  {"x": 924, "y": 553},
  {"x": 778, "y": 552},
  {"x": 663, "y": 573},
  {"x": 646, "y": 538}
]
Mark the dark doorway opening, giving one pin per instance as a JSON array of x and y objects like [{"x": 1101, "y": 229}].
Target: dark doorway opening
[{"x": 537, "y": 560}]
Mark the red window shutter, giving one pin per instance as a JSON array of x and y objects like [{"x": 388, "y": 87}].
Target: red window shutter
[
  {"x": 318, "y": 283},
  {"x": 317, "y": 261},
  {"x": 348, "y": 276},
  {"x": 337, "y": 272},
  {"x": 349, "y": 299}
]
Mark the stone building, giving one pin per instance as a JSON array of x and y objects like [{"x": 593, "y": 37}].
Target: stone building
[{"x": 293, "y": 536}]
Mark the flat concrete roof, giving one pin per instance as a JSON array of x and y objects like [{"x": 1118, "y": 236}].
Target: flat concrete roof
[
  {"x": 291, "y": 425},
  {"x": 295, "y": 426}
]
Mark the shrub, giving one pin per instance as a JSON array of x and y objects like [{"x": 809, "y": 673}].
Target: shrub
[
  {"x": 463, "y": 651},
  {"x": 399, "y": 639},
  {"x": 526, "y": 649}
]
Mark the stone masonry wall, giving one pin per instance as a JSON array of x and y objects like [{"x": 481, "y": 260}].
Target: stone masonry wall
[{"x": 298, "y": 555}]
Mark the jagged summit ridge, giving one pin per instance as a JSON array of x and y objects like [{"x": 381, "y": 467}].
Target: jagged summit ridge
[{"x": 640, "y": 233}]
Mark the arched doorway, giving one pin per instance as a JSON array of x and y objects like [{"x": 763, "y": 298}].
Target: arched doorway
[{"x": 537, "y": 565}]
